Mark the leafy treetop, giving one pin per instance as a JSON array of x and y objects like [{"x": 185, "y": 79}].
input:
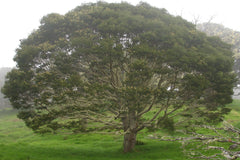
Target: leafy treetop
[{"x": 112, "y": 65}]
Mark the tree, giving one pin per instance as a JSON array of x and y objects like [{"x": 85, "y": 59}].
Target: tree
[
  {"x": 4, "y": 103},
  {"x": 104, "y": 66},
  {"x": 227, "y": 35}
]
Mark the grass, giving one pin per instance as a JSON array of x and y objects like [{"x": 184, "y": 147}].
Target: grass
[
  {"x": 17, "y": 142},
  {"x": 234, "y": 116}
]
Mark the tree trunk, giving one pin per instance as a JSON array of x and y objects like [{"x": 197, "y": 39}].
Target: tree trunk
[
  {"x": 129, "y": 141},
  {"x": 130, "y": 129}
]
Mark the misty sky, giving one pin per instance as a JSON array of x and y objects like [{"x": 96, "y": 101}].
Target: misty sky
[{"x": 20, "y": 17}]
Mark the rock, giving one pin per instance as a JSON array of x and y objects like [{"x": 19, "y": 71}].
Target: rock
[
  {"x": 234, "y": 146},
  {"x": 152, "y": 136}
]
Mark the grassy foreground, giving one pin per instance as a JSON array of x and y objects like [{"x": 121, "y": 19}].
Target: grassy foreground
[{"x": 17, "y": 142}]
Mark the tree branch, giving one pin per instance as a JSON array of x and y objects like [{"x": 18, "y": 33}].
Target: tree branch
[{"x": 147, "y": 110}]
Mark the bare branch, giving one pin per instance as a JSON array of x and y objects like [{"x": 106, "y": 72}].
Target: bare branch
[{"x": 147, "y": 110}]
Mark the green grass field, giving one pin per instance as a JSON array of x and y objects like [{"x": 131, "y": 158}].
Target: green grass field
[{"x": 17, "y": 142}]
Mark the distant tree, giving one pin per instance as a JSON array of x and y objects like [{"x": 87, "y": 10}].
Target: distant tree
[
  {"x": 4, "y": 103},
  {"x": 106, "y": 66}
]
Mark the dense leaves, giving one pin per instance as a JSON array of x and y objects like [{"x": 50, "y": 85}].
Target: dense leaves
[
  {"x": 227, "y": 35},
  {"x": 106, "y": 65}
]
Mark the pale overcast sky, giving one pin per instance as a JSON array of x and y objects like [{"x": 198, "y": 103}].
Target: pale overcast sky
[{"x": 20, "y": 17}]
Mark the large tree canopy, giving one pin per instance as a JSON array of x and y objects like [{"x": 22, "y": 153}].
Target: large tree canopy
[{"x": 106, "y": 65}]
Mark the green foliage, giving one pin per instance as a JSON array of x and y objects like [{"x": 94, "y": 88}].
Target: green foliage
[
  {"x": 110, "y": 64},
  {"x": 227, "y": 35},
  {"x": 166, "y": 123}
]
